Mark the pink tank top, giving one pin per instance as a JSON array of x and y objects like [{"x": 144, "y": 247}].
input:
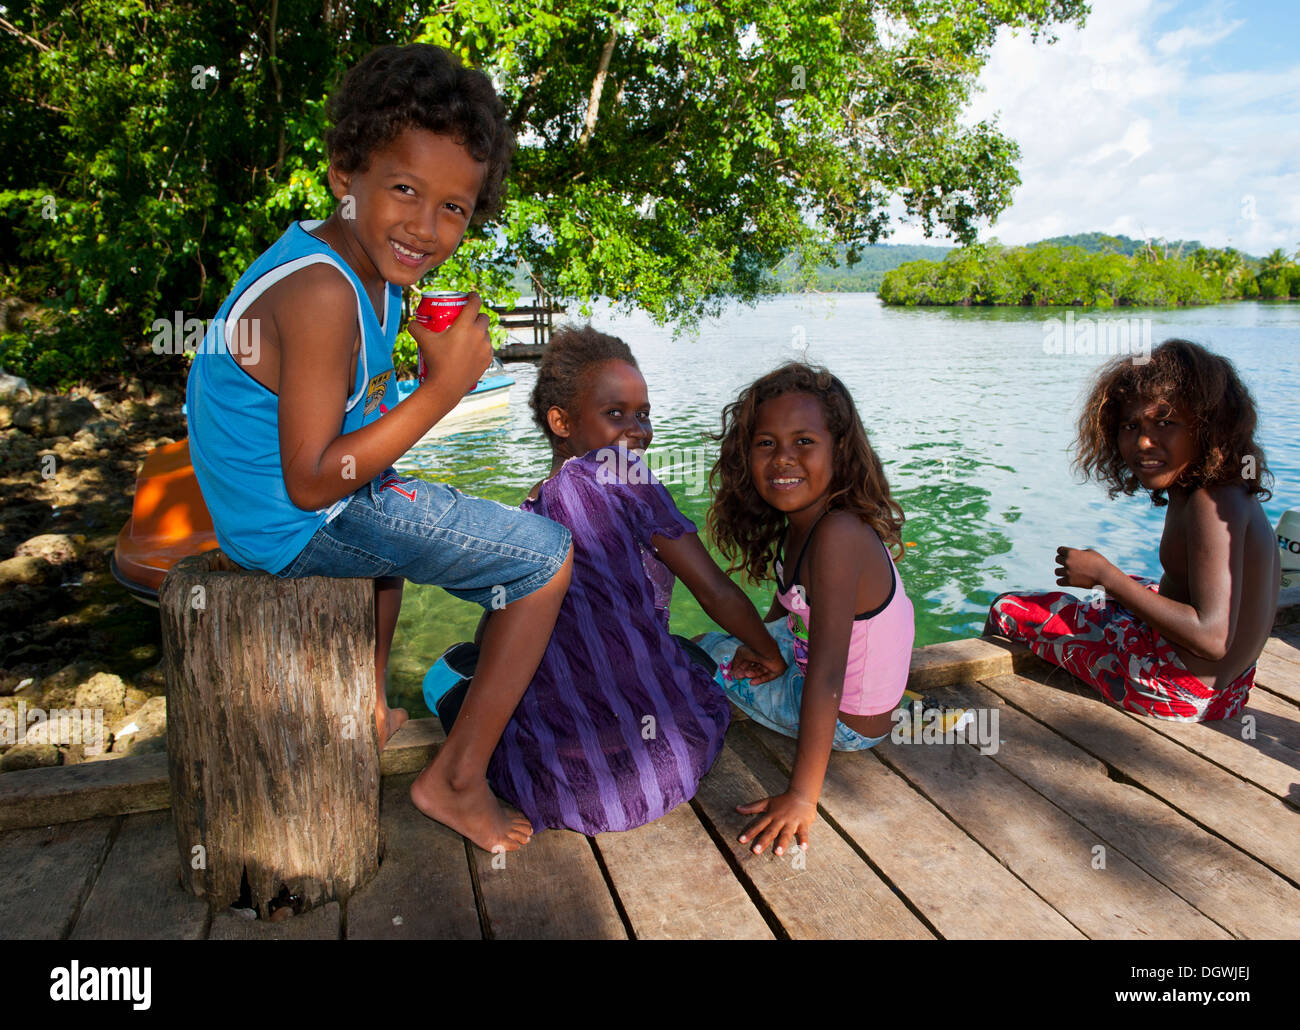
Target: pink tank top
[{"x": 880, "y": 647}]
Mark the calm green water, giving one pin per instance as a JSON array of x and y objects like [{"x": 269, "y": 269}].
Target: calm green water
[{"x": 972, "y": 420}]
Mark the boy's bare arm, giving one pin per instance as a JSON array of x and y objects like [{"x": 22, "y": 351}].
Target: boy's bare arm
[
  {"x": 1206, "y": 623},
  {"x": 317, "y": 331}
]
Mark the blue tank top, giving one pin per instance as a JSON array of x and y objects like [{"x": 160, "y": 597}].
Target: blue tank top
[{"x": 234, "y": 424}]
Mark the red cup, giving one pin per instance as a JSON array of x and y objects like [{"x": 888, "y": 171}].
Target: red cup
[{"x": 436, "y": 311}]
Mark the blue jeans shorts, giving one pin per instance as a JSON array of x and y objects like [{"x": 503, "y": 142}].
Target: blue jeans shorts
[
  {"x": 775, "y": 704},
  {"x": 475, "y": 549}
]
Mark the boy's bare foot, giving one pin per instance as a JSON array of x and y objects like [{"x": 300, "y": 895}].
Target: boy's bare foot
[
  {"x": 472, "y": 811},
  {"x": 388, "y": 721}
]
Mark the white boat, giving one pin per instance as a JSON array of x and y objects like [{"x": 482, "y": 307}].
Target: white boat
[
  {"x": 1288, "y": 541},
  {"x": 492, "y": 391}
]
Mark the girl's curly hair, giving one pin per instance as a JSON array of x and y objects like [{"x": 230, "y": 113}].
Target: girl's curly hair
[
  {"x": 395, "y": 88},
  {"x": 744, "y": 526},
  {"x": 571, "y": 354},
  {"x": 1205, "y": 389}
]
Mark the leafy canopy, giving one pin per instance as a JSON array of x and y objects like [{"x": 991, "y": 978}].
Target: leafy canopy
[{"x": 671, "y": 154}]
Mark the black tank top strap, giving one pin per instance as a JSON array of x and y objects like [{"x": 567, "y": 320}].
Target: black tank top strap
[{"x": 794, "y": 578}]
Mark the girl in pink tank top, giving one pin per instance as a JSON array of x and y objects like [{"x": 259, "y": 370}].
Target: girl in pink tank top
[{"x": 797, "y": 476}]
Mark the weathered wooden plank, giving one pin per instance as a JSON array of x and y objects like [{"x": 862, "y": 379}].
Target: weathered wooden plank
[
  {"x": 1240, "y": 812},
  {"x": 1044, "y": 846},
  {"x": 1276, "y": 719},
  {"x": 138, "y": 893},
  {"x": 955, "y": 661},
  {"x": 423, "y": 890},
  {"x": 1279, "y": 676},
  {"x": 412, "y": 747},
  {"x": 90, "y": 790},
  {"x": 1285, "y": 644},
  {"x": 962, "y": 890},
  {"x": 1230, "y": 887},
  {"x": 1258, "y": 759},
  {"x": 835, "y": 894},
  {"x": 674, "y": 884},
  {"x": 320, "y": 924},
  {"x": 550, "y": 889},
  {"x": 122, "y": 786},
  {"x": 45, "y": 873},
  {"x": 138, "y": 783}
]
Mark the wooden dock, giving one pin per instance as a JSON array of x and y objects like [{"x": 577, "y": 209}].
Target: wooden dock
[
  {"x": 538, "y": 318},
  {"x": 1085, "y": 822}
]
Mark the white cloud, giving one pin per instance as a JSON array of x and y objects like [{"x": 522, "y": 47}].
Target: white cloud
[
  {"x": 1122, "y": 135},
  {"x": 1193, "y": 36}
]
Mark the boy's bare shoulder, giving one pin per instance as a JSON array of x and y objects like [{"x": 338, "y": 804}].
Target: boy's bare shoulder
[{"x": 319, "y": 294}]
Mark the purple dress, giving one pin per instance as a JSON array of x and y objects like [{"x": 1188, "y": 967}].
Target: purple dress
[{"x": 618, "y": 726}]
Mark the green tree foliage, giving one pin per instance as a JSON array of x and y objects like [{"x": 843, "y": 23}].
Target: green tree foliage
[
  {"x": 671, "y": 154},
  {"x": 151, "y": 150},
  {"x": 1155, "y": 275}
]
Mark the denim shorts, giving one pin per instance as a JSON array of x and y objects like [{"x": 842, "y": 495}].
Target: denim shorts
[
  {"x": 475, "y": 549},
  {"x": 774, "y": 704}
]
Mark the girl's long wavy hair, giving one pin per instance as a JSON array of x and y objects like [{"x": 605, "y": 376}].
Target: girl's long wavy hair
[
  {"x": 1205, "y": 389},
  {"x": 744, "y": 526}
]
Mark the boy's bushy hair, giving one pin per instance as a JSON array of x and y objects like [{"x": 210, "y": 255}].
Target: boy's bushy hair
[
  {"x": 395, "y": 88},
  {"x": 744, "y": 526},
  {"x": 1205, "y": 389},
  {"x": 571, "y": 354}
]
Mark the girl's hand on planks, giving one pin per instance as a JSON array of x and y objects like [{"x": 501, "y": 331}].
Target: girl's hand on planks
[{"x": 784, "y": 819}]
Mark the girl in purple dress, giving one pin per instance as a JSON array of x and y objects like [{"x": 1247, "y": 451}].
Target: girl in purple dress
[{"x": 620, "y": 722}]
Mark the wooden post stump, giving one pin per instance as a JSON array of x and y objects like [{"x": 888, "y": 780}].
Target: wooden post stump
[{"x": 272, "y": 748}]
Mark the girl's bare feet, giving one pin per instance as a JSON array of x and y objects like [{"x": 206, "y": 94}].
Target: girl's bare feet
[{"x": 470, "y": 809}]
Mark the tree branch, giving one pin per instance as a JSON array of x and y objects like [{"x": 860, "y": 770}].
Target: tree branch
[
  {"x": 15, "y": 31},
  {"x": 530, "y": 92},
  {"x": 279, "y": 95},
  {"x": 597, "y": 85}
]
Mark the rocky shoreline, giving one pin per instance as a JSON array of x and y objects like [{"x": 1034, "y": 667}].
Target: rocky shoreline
[{"x": 72, "y": 640}]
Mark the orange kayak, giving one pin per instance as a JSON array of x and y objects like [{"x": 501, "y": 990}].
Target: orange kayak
[{"x": 168, "y": 522}]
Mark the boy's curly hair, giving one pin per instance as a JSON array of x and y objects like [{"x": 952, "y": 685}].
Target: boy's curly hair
[
  {"x": 572, "y": 352},
  {"x": 1205, "y": 389},
  {"x": 744, "y": 526},
  {"x": 395, "y": 88}
]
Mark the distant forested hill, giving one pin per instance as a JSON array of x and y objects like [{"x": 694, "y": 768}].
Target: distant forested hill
[
  {"x": 862, "y": 277},
  {"x": 1100, "y": 243}
]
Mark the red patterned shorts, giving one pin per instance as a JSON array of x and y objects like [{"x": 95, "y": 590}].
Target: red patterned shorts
[{"x": 1111, "y": 649}]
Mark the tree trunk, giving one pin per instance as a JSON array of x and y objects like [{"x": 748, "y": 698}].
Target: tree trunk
[{"x": 272, "y": 747}]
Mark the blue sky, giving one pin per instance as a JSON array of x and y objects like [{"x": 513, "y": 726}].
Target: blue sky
[{"x": 1159, "y": 118}]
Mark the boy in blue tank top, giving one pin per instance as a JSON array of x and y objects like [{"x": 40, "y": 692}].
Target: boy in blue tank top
[{"x": 293, "y": 406}]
